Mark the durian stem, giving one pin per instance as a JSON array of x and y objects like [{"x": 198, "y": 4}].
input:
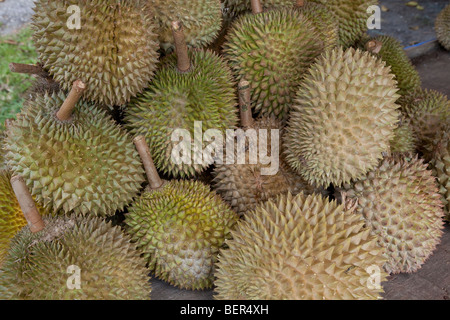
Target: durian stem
[
  {"x": 28, "y": 69},
  {"x": 181, "y": 49},
  {"x": 300, "y": 3},
  {"x": 150, "y": 170},
  {"x": 374, "y": 46},
  {"x": 245, "y": 107},
  {"x": 27, "y": 204},
  {"x": 256, "y": 6},
  {"x": 65, "y": 112}
]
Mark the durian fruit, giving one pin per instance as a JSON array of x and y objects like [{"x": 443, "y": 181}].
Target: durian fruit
[
  {"x": 343, "y": 118},
  {"x": 245, "y": 185},
  {"x": 272, "y": 50},
  {"x": 391, "y": 51},
  {"x": 179, "y": 225},
  {"x": 81, "y": 161},
  {"x": 404, "y": 140},
  {"x": 11, "y": 217},
  {"x": 440, "y": 163},
  {"x": 442, "y": 27},
  {"x": 401, "y": 205},
  {"x": 201, "y": 19},
  {"x": 113, "y": 49},
  {"x": 191, "y": 87},
  {"x": 351, "y": 16},
  {"x": 236, "y": 7},
  {"x": 428, "y": 111},
  {"x": 300, "y": 247},
  {"x": 44, "y": 265}
]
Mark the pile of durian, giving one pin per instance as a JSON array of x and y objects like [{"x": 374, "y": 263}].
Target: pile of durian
[{"x": 362, "y": 189}]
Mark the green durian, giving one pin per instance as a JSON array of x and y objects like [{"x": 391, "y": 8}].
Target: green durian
[
  {"x": 343, "y": 118},
  {"x": 300, "y": 248},
  {"x": 272, "y": 50},
  {"x": 440, "y": 164},
  {"x": 87, "y": 164},
  {"x": 428, "y": 111},
  {"x": 40, "y": 266},
  {"x": 180, "y": 228},
  {"x": 442, "y": 27},
  {"x": 404, "y": 140},
  {"x": 204, "y": 95},
  {"x": 114, "y": 50},
  {"x": 401, "y": 205},
  {"x": 391, "y": 51},
  {"x": 201, "y": 19},
  {"x": 351, "y": 17}
]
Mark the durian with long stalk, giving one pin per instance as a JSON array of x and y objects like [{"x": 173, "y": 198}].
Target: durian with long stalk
[
  {"x": 72, "y": 155},
  {"x": 272, "y": 49},
  {"x": 245, "y": 185},
  {"x": 179, "y": 226},
  {"x": 70, "y": 258},
  {"x": 192, "y": 92}
]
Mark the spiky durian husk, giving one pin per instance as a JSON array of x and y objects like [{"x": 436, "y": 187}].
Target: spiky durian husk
[
  {"x": 87, "y": 165},
  {"x": 428, "y": 111},
  {"x": 180, "y": 228},
  {"x": 442, "y": 27},
  {"x": 110, "y": 266},
  {"x": 244, "y": 186},
  {"x": 401, "y": 206},
  {"x": 343, "y": 118},
  {"x": 236, "y": 7},
  {"x": 301, "y": 247},
  {"x": 114, "y": 52},
  {"x": 11, "y": 216},
  {"x": 404, "y": 140},
  {"x": 324, "y": 21},
  {"x": 176, "y": 100},
  {"x": 272, "y": 50},
  {"x": 392, "y": 53},
  {"x": 201, "y": 20},
  {"x": 440, "y": 163},
  {"x": 351, "y": 16}
]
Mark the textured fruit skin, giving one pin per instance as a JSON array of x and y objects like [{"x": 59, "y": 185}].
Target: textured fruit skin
[
  {"x": 393, "y": 54},
  {"x": 110, "y": 266},
  {"x": 180, "y": 228},
  {"x": 11, "y": 217},
  {"x": 343, "y": 117},
  {"x": 351, "y": 16},
  {"x": 272, "y": 50},
  {"x": 301, "y": 247},
  {"x": 442, "y": 27},
  {"x": 440, "y": 164},
  {"x": 201, "y": 20},
  {"x": 428, "y": 111},
  {"x": 87, "y": 165},
  {"x": 114, "y": 53},
  {"x": 236, "y": 7},
  {"x": 243, "y": 186},
  {"x": 404, "y": 140},
  {"x": 176, "y": 100},
  {"x": 401, "y": 206}
]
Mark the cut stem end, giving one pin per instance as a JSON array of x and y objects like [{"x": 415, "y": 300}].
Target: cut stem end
[{"x": 65, "y": 112}]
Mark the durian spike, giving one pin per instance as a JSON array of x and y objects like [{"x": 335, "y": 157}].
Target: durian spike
[
  {"x": 28, "y": 69},
  {"x": 245, "y": 103},
  {"x": 300, "y": 3},
  {"x": 374, "y": 46},
  {"x": 256, "y": 6},
  {"x": 65, "y": 112},
  {"x": 146, "y": 157},
  {"x": 27, "y": 204},
  {"x": 183, "y": 62}
]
